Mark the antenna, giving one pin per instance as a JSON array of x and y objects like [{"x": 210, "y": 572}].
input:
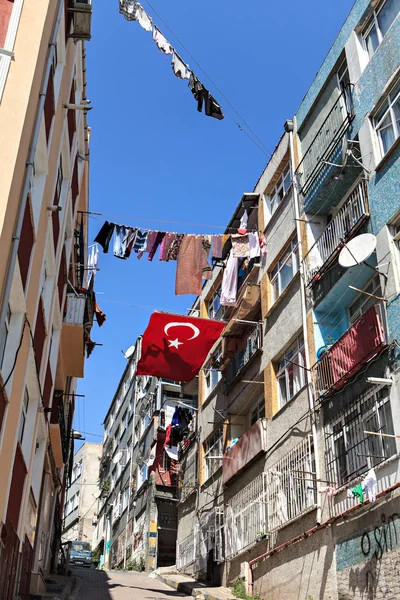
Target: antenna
[
  {"x": 357, "y": 250},
  {"x": 117, "y": 457},
  {"x": 129, "y": 352}
]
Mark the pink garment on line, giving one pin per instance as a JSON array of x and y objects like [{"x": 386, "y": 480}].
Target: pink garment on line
[
  {"x": 229, "y": 281},
  {"x": 240, "y": 246},
  {"x": 166, "y": 245},
  {"x": 189, "y": 266},
  {"x": 151, "y": 238},
  {"x": 216, "y": 246}
]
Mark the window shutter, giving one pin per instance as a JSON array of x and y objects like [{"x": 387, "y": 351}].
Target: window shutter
[{"x": 26, "y": 242}]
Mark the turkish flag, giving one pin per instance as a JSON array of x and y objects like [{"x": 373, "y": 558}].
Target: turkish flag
[{"x": 175, "y": 347}]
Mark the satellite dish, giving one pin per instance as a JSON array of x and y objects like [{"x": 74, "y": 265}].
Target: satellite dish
[
  {"x": 357, "y": 250},
  {"x": 129, "y": 352},
  {"x": 117, "y": 457}
]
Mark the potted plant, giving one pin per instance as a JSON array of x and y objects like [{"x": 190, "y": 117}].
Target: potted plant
[{"x": 105, "y": 485}]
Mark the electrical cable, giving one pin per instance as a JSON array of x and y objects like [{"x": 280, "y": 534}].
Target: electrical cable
[{"x": 3, "y": 387}]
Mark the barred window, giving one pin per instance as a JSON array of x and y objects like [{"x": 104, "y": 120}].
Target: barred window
[{"x": 213, "y": 454}]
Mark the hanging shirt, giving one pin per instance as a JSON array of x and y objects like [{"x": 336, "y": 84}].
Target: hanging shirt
[
  {"x": 159, "y": 238},
  {"x": 129, "y": 240},
  {"x": 140, "y": 241},
  {"x": 370, "y": 483},
  {"x": 128, "y": 9},
  {"x": 179, "y": 67},
  {"x": 254, "y": 245},
  {"x": 120, "y": 241},
  {"x": 143, "y": 18},
  {"x": 162, "y": 43},
  {"x": 229, "y": 281},
  {"x": 167, "y": 241},
  {"x": 104, "y": 236},
  {"x": 175, "y": 246},
  {"x": 240, "y": 246},
  {"x": 93, "y": 260},
  {"x": 243, "y": 223}
]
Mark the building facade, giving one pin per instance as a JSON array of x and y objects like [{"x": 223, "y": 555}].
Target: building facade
[
  {"x": 299, "y": 401},
  {"x": 80, "y": 505},
  {"x": 46, "y": 310},
  {"x": 137, "y": 513}
]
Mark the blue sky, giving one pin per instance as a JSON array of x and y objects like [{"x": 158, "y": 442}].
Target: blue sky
[{"x": 154, "y": 158}]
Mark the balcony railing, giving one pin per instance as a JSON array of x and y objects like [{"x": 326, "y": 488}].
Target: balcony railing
[
  {"x": 325, "y": 142},
  {"x": 350, "y": 217},
  {"x": 246, "y": 448},
  {"x": 351, "y": 351},
  {"x": 240, "y": 360}
]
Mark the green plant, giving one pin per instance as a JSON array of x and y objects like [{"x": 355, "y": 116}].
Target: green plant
[
  {"x": 136, "y": 564},
  {"x": 105, "y": 485},
  {"x": 239, "y": 590}
]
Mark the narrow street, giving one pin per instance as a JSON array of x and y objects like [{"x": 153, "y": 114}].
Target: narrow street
[{"x": 120, "y": 585}]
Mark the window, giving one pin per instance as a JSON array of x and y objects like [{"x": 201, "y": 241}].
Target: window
[
  {"x": 258, "y": 412},
  {"x": 76, "y": 471},
  {"x": 125, "y": 498},
  {"x": 24, "y": 414},
  {"x": 290, "y": 374},
  {"x": 363, "y": 302},
  {"x": 387, "y": 121},
  {"x": 214, "y": 307},
  {"x": 281, "y": 188},
  {"x": 343, "y": 78},
  {"x": 380, "y": 22},
  {"x": 60, "y": 178},
  {"x": 142, "y": 475},
  {"x": 213, "y": 454},
  {"x": 6, "y": 332},
  {"x": 212, "y": 373},
  {"x": 285, "y": 269},
  {"x": 114, "y": 477},
  {"x": 349, "y": 451}
]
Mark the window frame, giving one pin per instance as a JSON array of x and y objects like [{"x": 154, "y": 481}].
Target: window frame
[
  {"x": 280, "y": 185},
  {"x": 389, "y": 103},
  {"x": 297, "y": 353},
  {"x": 7, "y": 325},
  {"x": 209, "y": 373},
  {"x": 213, "y": 446},
  {"x": 24, "y": 415},
  {"x": 373, "y": 22},
  {"x": 367, "y": 300},
  {"x": 291, "y": 252},
  {"x": 212, "y": 313},
  {"x": 258, "y": 412}
]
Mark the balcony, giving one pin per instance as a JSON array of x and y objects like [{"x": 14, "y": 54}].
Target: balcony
[
  {"x": 346, "y": 223},
  {"x": 248, "y": 447},
  {"x": 72, "y": 335},
  {"x": 321, "y": 164},
  {"x": 58, "y": 431},
  {"x": 242, "y": 358},
  {"x": 82, "y": 11},
  {"x": 350, "y": 352}
]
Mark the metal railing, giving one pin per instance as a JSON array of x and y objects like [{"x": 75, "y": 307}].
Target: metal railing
[
  {"x": 240, "y": 360},
  {"x": 185, "y": 551},
  {"x": 325, "y": 142},
  {"x": 365, "y": 338},
  {"x": 189, "y": 480},
  {"x": 349, "y": 218}
]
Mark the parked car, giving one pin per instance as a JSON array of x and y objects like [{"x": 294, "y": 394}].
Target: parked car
[{"x": 81, "y": 554}]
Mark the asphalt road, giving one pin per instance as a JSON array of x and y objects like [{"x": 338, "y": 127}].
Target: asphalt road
[{"x": 120, "y": 585}]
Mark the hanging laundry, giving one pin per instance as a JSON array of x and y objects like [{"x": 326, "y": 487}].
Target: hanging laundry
[
  {"x": 167, "y": 441},
  {"x": 240, "y": 246},
  {"x": 263, "y": 245},
  {"x": 207, "y": 269},
  {"x": 104, "y": 236},
  {"x": 329, "y": 490},
  {"x": 128, "y": 8},
  {"x": 356, "y": 492},
  {"x": 229, "y": 281},
  {"x": 129, "y": 240},
  {"x": 159, "y": 238},
  {"x": 243, "y": 223},
  {"x": 189, "y": 266},
  {"x": 175, "y": 246},
  {"x": 179, "y": 67},
  {"x": 93, "y": 259},
  {"x": 100, "y": 316},
  {"x": 120, "y": 241},
  {"x": 216, "y": 246},
  {"x": 254, "y": 245},
  {"x": 143, "y": 18},
  {"x": 169, "y": 238},
  {"x": 203, "y": 97},
  {"x": 151, "y": 238},
  {"x": 212, "y": 108},
  {"x": 370, "y": 483},
  {"x": 161, "y": 42},
  {"x": 172, "y": 452},
  {"x": 140, "y": 241}
]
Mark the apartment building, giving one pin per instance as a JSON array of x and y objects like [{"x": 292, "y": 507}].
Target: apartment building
[
  {"x": 80, "y": 505},
  {"x": 298, "y": 403},
  {"x": 45, "y": 311},
  {"x": 137, "y": 512}
]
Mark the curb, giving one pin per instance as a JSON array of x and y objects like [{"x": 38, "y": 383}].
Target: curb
[
  {"x": 72, "y": 591},
  {"x": 190, "y": 588}
]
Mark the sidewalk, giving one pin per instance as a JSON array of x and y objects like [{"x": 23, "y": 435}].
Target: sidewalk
[
  {"x": 58, "y": 587},
  {"x": 191, "y": 587}
]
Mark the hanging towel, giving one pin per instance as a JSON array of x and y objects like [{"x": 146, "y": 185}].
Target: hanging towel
[
  {"x": 179, "y": 67},
  {"x": 207, "y": 270},
  {"x": 140, "y": 241},
  {"x": 243, "y": 223},
  {"x": 229, "y": 281},
  {"x": 216, "y": 246},
  {"x": 161, "y": 42},
  {"x": 104, "y": 236},
  {"x": 167, "y": 241},
  {"x": 240, "y": 246},
  {"x": 189, "y": 266},
  {"x": 120, "y": 241},
  {"x": 254, "y": 245},
  {"x": 370, "y": 483},
  {"x": 128, "y": 9},
  {"x": 159, "y": 238},
  {"x": 143, "y": 18},
  {"x": 176, "y": 243}
]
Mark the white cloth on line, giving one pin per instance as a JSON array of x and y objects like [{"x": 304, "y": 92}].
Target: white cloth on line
[
  {"x": 143, "y": 18},
  {"x": 179, "y": 67},
  {"x": 254, "y": 245},
  {"x": 162, "y": 43},
  {"x": 172, "y": 452},
  {"x": 371, "y": 484},
  {"x": 128, "y": 9},
  {"x": 243, "y": 222},
  {"x": 229, "y": 281}
]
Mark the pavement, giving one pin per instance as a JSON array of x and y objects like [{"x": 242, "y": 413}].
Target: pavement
[{"x": 194, "y": 588}]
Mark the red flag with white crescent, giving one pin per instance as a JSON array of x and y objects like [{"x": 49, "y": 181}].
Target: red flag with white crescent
[{"x": 175, "y": 347}]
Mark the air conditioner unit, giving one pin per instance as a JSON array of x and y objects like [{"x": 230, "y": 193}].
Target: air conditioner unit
[{"x": 82, "y": 17}]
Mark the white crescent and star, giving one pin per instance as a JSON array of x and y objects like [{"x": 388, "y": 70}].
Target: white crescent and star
[{"x": 176, "y": 343}]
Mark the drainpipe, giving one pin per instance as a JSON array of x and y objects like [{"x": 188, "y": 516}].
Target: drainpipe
[
  {"x": 310, "y": 390},
  {"x": 139, "y": 343},
  {"x": 28, "y": 175}
]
